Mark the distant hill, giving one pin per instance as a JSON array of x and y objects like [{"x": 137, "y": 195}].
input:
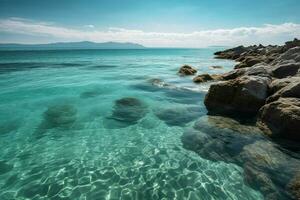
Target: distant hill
[{"x": 71, "y": 45}]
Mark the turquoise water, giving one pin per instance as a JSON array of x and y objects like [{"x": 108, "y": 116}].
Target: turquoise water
[{"x": 107, "y": 124}]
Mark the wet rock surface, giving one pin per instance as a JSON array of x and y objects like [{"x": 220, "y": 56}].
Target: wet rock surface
[
  {"x": 186, "y": 70},
  {"x": 264, "y": 78},
  {"x": 207, "y": 77},
  {"x": 244, "y": 95},
  {"x": 281, "y": 118}
]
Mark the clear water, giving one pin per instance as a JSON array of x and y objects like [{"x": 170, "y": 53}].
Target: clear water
[{"x": 89, "y": 154}]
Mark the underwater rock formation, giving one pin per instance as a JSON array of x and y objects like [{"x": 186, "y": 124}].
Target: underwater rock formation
[
  {"x": 127, "y": 111},
  {"x": 266, "y": 79}
]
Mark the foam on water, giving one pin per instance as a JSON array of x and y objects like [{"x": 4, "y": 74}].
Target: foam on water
[{"x": 60, "y": 141}]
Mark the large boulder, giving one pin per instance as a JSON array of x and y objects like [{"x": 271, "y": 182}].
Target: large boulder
[
  {"x": 278, "y": 84},
  {"x": 250, "y": 61},
  {"x": 233, "y": 53},
  {"x": 186, "y": 70},
  {"x": 292, "y": 55},
  {"x": 288, "y": 89},
  {"x": 281, "y": 118},
  {"x": 244, "y": 95},
  {"x": 285, "y": 70}
]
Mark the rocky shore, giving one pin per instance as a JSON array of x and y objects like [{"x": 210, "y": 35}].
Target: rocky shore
[
  {"x": 264, "y": 84},
  {"x": 263, "y": 88}
]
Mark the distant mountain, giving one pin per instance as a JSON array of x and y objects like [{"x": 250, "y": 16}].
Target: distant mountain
[{"x": 71, "y": 45}]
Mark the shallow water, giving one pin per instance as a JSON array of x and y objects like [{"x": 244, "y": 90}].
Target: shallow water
[{"x": 65, "y": 134}]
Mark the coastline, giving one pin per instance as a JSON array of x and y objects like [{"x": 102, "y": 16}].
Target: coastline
[{"x": 263, "y": 87}]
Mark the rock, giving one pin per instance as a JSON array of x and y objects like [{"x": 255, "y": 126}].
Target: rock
[
  {"x": 89, "y": 94},
  {"x": 221, "y": 123},
  {"x": 259, "y": 180},
  {"x": 292, "y": 55},
  {"x": 178, "y": 116},
  {"x": 244, "y": 95},
  {"x": 258, "y": 70},
  {"x": 216, "y": 67},
  {"x": 129, "y": 110},
  {"x": 233, "y": 53},
  {"x": 294, "y": 186},
  {"x": 249, "y": 62},
  {"x": 234, "y": 74},
  {"x": 62, "y": 115},
  {"x": 290, "y": 88},
  {"x": 186, "y": 70},
  {"x": 292, "y": 44},
  {"x": 281, "y": 118},
  {"x": 263, "y": 155},
  {"x": 278, "y": 84},
  {"x": 206, "y": 77},
  {"x": 285, "y": 70},
  {"x": 5, "y": 167}
]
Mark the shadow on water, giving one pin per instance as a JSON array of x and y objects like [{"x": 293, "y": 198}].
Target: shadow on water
[
  {"x": 127, "y": 111},
  {"x": 266, "y": 167}
]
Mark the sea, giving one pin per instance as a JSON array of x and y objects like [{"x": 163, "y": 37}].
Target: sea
[{"x": 108, "y": 124}]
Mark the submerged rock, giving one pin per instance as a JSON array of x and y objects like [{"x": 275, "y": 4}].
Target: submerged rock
[
  {"x": 226, "y": 124},
  {"x": 5, "y": 167},
  {"x": 89, "y": 94},
  {"x": 216, "y": 67},
  {"x": 178, "y": 116},
  {"x": 281, "y": 118},
  {"x": 63, "y": 115},
  {"x": 127, "y": 111},
  {"x": 294, "y": 186},
  {"x": 186, "y": 70},
  {"x": 244, "y": 95}
]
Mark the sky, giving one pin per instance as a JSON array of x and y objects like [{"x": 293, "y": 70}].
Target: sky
[{"x": 153, "y": 23}]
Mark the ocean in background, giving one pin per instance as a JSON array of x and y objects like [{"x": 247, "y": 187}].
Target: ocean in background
[{"x": 107, "y": 124}]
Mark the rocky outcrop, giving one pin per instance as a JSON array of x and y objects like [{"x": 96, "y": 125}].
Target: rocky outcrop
[
  {"x": 187, "y": 70},
  {"x": 286, "y": 70},
  {"x": 281, "y": 118},
  {"x": 265, "y": 83},
  {"x": 207, "y": 77},
  {"x": 244, "y": 95}
]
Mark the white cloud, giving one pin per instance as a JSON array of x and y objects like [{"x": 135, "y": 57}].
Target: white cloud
[{"x": 265, "y": 34}]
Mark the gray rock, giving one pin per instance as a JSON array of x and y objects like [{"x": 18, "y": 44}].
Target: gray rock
[
  {"x": 244, "y": 95},
  {"x": 186, "y": 70},
  {"x": 281, "y": 118},
  {"x": 285, "y": 70}
]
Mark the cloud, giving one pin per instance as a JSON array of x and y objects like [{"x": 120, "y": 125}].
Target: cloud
[{"x": 266, "y": 34}]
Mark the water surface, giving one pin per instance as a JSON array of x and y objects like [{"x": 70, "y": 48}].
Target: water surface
[{"x": 107, "y": 124}]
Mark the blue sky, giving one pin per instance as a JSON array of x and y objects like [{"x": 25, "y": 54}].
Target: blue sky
[{"x": 179, "y": 18}]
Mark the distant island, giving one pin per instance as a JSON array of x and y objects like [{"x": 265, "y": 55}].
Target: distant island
[{"x": 71, "y": 45}]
